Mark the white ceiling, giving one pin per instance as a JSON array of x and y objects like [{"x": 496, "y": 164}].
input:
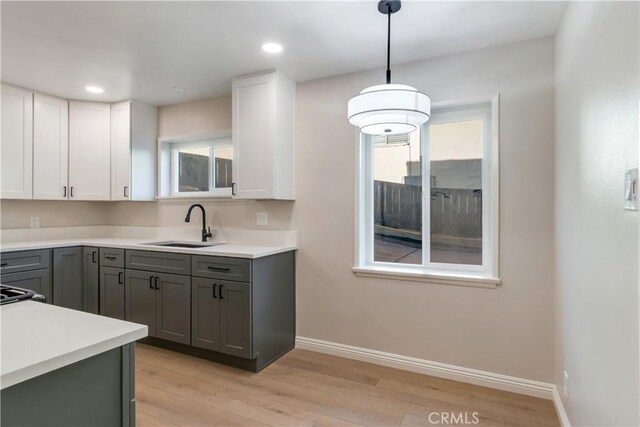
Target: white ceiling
[{"x": 141, "y": 50}]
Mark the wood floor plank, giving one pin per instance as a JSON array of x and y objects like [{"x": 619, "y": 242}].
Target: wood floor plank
[
  {"x": 533, "y": 413},
  {"x": 144, "y": 419},
  {"x": 226, "y": 378},
  {"x": 395, "y": 402},
  {"x": 181, "y": 411},
  {"x": 201, "y": 392},
  {"x": 310, "y": 389},
  {"x": 420, "y": 420}
]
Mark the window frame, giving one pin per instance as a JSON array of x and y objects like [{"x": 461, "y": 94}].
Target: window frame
[
  {"x": 167, "y": 183},
  {"x": 212, "y": 145},
  {"x": 486, "y": 275}
]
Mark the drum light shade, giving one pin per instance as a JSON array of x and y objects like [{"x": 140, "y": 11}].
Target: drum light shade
[{"x": 389, "y": 109}]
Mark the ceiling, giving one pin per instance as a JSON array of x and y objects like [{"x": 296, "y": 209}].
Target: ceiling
[{"x": 141, "y": 50}]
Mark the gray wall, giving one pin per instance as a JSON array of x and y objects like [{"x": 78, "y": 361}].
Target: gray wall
[{"x": 597, "y": 93}]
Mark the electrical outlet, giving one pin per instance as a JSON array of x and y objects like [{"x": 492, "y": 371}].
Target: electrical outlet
[
  {"x": 565, "y": 385},
  {"x": 35, "y": 222},
  {"x": 262, "y": 218}
]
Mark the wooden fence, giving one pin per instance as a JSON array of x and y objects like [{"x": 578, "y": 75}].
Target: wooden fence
[{"x": 454, "y": 212}]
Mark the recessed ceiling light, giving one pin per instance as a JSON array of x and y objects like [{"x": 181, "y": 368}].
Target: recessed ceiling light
[
  {"x": 272, "y": 47},
  {"x": 94, "y": 89},
  {"x": 177, "y": 89}
]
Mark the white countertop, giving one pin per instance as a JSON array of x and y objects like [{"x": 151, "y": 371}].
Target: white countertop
[
  {"x": 38, "y": 338},
  {"x": 223, "y": 249}
]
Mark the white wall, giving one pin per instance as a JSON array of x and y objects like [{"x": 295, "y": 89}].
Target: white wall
[
  {"x": 507, "y": 330},
  {"x": 18, "y": 213},
  {"x": 596, "y": 240}
]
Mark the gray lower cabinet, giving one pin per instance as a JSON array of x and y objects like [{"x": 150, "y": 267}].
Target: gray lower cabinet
[
  {"x": 205, "y": 314},
  {"x": 158, "y": 262},
  {"x": 173, "y": 308},
  {"x": 141, "y": 299},
  {"x": 90, "y": 280},
  {"x": 162, "y": 302},
  {"x": 221, "y": 316},
  {"x": 14, "y": 262},
  {"x": 112, "y": 292},
  {"x": 112, "y": 257},
  {"x": 98, "y": 391},
  {"x": 235, "y": 318},
  {"x": 67, "y": 277},
  {"x": 38, "y": 281}
]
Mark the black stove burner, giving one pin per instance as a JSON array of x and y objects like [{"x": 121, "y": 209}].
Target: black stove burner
[{"x": 9, "y": 294}]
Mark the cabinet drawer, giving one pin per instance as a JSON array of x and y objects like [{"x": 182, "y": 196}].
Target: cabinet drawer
[
  {"x": 38, "y": 281},
  {"x": 14, "y": 262},
  {"x": 160, "y": 262},
  {"x": 214, "y": 267},
  {"x": 110, "y": 257}
]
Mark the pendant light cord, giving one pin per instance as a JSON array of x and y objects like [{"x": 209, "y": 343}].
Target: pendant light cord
[{"x": 388, "y": 43}]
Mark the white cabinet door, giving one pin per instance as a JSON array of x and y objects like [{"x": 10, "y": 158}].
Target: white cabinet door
[
  {"x": 17, "y": 143},
  {"x": 253, "y": 113},
  {"x": 50, "y": 147},
  {"x": 121, "y": 151},
  {"x": 89, "y": 151}
]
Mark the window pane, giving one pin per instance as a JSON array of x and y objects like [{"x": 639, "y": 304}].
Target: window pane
[
  {"x": 222, "y": 167},
  {"x": 455, "y": 154},
  {"x": 397, "y": 200},
  {"x": 193, "y": 169}
]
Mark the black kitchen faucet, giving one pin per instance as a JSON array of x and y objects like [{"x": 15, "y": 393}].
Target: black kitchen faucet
[{"x": 206, "y": 231}]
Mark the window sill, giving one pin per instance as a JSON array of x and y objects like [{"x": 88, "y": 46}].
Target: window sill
[{"x": 424, "y": 277}]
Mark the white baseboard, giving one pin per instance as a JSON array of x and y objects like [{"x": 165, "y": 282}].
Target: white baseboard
[
  {"x": 562, "y": 414},
  {"x": 436, "y": 369}
]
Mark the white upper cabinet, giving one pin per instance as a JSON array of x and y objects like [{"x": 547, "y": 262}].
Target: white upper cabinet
[
  {"x": 133, "y": 151},
  {"x": 50, "y": 147},
  {"x": 120, "y": 151},
  {"x": 17, "y": 143},
  {"x": 89, "y": 151},
  {"x": 263, "y": 137}
]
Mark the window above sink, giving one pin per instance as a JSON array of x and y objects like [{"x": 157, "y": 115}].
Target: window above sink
[{"x": 195, "y": 166}]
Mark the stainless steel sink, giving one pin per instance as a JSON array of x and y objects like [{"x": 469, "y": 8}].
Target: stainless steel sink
[{"x": 179, "y": 244}]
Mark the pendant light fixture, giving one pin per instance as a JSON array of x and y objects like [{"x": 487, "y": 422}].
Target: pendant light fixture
[{"x": 389, "y": 109}]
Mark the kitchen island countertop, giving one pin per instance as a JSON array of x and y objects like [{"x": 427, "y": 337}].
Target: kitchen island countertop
[{"x": 38, "y": 338}]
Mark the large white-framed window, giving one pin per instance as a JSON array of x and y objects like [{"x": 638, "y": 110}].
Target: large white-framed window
[
  {"x": 427, "y": 202},
  {"x": 198, "y": 166}
]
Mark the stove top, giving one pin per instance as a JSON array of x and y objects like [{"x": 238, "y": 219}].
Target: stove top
[{"x": 10, "y": 294}]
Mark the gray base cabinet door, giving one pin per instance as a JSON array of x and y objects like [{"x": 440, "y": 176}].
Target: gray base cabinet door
[
  {"x": 112, "y": 291},
  {"x": 38, "y": 281},
  {"x": 162, "y": 302},
  {"x": 235, "y": 318},
  {"x": 67, "y": 278},
  {"x": 90, "y": 280},
  {"x": 205, "y": 314},
  {"x": 141, "y": 299},
  {"x": 173, "y": 308}
]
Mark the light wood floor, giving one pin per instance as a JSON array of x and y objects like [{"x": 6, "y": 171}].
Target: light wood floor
[{"x": 304, "y": 388}]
